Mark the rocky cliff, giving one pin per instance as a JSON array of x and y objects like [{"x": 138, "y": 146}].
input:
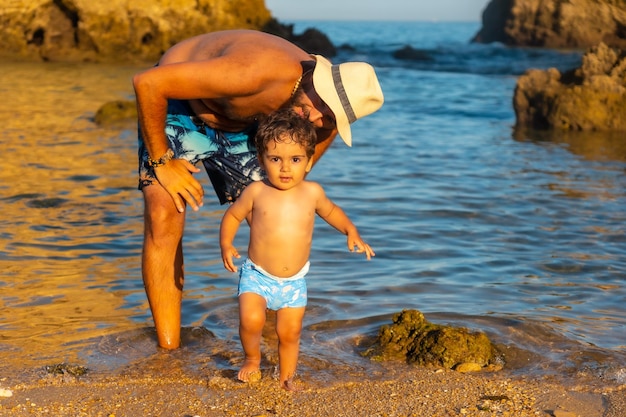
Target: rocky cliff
[
  {"x": 589, "y": 98},
  {"x": 115, "y": 30},
  {"x": 554, "y": 23}
]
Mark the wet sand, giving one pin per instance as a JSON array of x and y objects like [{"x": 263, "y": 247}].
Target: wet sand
[{"x": 402, "y": 391}]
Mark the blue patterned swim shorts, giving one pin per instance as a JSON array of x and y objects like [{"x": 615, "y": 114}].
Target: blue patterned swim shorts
[
  {"x": 278, "y": 292},
  {"x": 229, "y": 158}
]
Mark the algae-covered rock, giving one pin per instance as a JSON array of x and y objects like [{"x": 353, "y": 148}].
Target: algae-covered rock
[
  {"x": 66, "y": 369},
  {"x": 415, "y": 340},
  {"x": 451, "y": 346}
]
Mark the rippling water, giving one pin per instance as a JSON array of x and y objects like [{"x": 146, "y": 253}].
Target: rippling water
[{"x": 517, "y": 234}]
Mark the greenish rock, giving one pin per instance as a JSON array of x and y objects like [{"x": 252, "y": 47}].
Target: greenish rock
[
  {"x": 116, "y": 112},
  {"x": 66, "y": 369},
  {"x": 413, "y": 339}
]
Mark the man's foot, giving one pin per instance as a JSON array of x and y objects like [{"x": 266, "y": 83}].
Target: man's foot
[{"x": 249, "y": 372}]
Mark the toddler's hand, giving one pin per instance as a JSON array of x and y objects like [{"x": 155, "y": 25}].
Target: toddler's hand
[
  {"x": 227, "y": 258},
  {"x": 356, "y": 244}
]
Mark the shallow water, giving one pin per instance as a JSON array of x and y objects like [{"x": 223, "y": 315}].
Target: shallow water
[{"x": 516, "y": 234}]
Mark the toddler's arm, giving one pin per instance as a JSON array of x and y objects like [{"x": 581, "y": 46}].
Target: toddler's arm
[
  {"x": 228, "y": 230},
  {"x": 229, "y": 226},
  {"x": 336, "y": 217}
]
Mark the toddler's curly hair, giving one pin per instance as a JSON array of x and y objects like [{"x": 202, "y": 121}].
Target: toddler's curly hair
[{"x": 285, "y": 125}]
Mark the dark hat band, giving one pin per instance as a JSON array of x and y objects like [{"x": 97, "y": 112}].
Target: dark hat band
[{"x": 341, "y": 92}]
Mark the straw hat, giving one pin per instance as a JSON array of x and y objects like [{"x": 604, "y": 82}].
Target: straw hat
[{"x": 351, "y": 90}]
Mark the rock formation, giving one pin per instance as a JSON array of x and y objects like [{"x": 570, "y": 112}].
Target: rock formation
[
  {"x": 590, "y": 98},
  {"x": 115, "y": 30},
  {"x": 123, "y": 31},
  {"x": 311, "y": 40},
  {"x": 413, "y": 339},
  {"x": 554, "y": 23}
]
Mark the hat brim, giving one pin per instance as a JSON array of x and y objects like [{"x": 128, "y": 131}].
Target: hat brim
[{"x": 325, "y": 88}]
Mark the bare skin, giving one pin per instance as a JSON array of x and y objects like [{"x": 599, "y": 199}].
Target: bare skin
[
  {"x": 228, "y": 78},
  {"x": 281, "y": 213}
]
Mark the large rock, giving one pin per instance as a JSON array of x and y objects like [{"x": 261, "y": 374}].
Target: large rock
[
  {"x": 413, "y": 339},
  {"x": 554, "y": 23},
  {"x": 115, "y": 30},
  {"x": 590, "y": 98},
  {"x": 311, "y": 40}
]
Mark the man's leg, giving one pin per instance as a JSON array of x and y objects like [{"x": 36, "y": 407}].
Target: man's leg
[{"x": 162, "y": 263}]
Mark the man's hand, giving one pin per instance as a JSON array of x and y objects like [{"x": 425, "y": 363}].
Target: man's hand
[{"x": 175, "y": 176}]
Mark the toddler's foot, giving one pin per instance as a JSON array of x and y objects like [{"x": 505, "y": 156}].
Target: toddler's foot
[
  {"x": 291, "y": 385},
  {"x": 249, "y": 372}
]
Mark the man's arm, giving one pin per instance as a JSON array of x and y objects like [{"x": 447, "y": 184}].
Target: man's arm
[
  {"x": 215, "y": 78},
  {"x": 152, "y": 90}
]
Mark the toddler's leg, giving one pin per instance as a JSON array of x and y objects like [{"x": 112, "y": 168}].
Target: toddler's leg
[
  {"x": 251, "y": 321},
  {"x": 288, "y": 328}
]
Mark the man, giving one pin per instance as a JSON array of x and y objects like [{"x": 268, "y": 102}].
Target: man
[{"x": 202, "y": 103}]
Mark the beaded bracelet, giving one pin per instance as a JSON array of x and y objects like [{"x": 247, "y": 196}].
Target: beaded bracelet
[{"x": 167, "y": 156}]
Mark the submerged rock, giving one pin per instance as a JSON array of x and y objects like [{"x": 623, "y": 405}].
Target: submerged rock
[
  {"x": 116, "y": 112},
  {"x": 413, "y": 339},
  {"x": 411, "y": 54},
  {"x": 590, "y": 98}
]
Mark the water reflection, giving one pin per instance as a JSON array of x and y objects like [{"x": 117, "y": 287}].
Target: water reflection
[
  {"x": 595, "y": 146},
  {"x": 68, "y": 232}
]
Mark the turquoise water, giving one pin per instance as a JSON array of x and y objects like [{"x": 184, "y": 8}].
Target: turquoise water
[{"x": 518, "y": 235}]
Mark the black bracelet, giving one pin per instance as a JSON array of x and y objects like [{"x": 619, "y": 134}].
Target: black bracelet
[{"x": 162, "y": 160}]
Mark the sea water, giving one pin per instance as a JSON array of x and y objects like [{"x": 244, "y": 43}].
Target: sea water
[{"x": 519, "y": 235}]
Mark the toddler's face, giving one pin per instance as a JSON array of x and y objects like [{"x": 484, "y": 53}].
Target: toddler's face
[{"x": 285, "y": 164}]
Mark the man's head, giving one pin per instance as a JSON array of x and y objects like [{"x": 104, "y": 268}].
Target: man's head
[{"x": 350, "y": 90}]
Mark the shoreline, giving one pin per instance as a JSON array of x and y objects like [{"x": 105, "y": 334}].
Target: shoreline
[{"x": 402, "y": 391}]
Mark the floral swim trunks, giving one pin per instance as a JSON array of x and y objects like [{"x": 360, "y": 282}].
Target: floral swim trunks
[
  {"x": 278, "y": 292},
  {"x": 229, "y": 158}
]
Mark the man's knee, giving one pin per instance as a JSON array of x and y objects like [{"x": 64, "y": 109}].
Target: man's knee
[{"x": 161, "y": 218}]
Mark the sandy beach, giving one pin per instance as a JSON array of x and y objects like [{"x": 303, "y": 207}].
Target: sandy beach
[{"x": 401, "y": 391}]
